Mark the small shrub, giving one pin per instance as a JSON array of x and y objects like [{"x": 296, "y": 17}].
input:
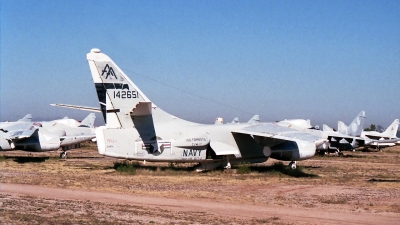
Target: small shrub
[
  {"x": 243, "y": 168},
  {"x": 125, "y": 167}
]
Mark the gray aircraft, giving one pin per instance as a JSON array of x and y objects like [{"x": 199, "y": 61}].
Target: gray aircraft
[
  {"x": 137, "y": 129},
  {"x": 337, "y": 142},
  {"x": 45, "y": 136},
  {"x": 384, "y": 139}
]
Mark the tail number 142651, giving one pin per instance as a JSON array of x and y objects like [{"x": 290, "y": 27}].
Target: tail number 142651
[{"x": 125, "y": 94}]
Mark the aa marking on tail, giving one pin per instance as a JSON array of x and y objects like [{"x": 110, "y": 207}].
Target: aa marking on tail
[{"x": 109, "y": 70}]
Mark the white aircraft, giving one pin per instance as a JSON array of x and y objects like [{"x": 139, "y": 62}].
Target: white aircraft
[
  {"x": 71, "y": 132},
  {"x": 337, "y": 142},
  {"x": 389, "y": 133},
  {"x": 384, "y": 139},
  {"x": 137, "y": 129},
  {"x": 44, "y": 136}
]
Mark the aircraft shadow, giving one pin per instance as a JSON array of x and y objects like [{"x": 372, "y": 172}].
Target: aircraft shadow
[
  {"x": 384, "y": 180},
  {"x": 128, "y": 167},
  {"x": 27, "y": 159},
  {"x": 278, "y": 168},
  {"x": 282, "y": 169}
]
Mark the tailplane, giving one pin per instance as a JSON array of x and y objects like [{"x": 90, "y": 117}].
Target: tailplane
[{"x": 391, "y": 131}]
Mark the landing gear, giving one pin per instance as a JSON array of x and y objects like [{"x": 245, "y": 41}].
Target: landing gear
[
  {"x": 228, "y": 164},
  {"x": 293, "y": 165},
  {"x": 63, "y": 155}
]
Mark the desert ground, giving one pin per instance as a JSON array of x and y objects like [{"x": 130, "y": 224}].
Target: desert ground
[{"x": 87, "y": 188}]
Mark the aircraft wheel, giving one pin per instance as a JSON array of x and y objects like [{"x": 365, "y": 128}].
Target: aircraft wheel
[
  {"x": 340, "y": 153},
  {"x": 63, "y": 155},
  {"x": 293, "y": 165}
]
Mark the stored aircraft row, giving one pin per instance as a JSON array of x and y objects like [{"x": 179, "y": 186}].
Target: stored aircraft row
[
  {"x": 138, "y": 129},
  {"x": 47, "y": 135}
]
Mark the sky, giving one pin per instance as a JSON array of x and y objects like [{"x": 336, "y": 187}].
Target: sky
[{"x": 320, "y": 60}]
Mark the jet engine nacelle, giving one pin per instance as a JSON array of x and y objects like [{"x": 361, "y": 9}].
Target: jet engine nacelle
[
  {"x": 292, "y": 151},
  {"x": 323, "y": 146}
]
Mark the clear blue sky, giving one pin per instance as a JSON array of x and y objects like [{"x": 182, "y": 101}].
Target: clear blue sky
[{"x": 318, "y": 60}]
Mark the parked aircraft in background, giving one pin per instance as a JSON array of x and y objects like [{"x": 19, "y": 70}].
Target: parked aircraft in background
[
  {"x": 337, "y": 142},
  {"x": 253, "y": 120},
  {"x": 45, "y": 136},
  {"x": 389, "y": 133},
  {"x": 355, "y": 128},
  {"x": 137, "y": 129},
  {"x": 383, "y": 139}
]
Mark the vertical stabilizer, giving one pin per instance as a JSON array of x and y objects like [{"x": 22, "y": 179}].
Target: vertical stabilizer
[
  {"x": 119, "y": 97},
  {"x": 342, "y": 127},
  {"x": 255, "y": 119},
  {"x": 326, "y": 128},
  {"x": 391, "y": 131},
  {"x": 357, "y": 126},
  {"x": 88, "y": 121},
  {"x": 27, "y": 118}
]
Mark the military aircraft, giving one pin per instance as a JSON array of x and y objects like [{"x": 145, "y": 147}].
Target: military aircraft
[
  {"x": 44, "y": 136},
  {"x": 72, "y": 132},
  {"x": 356, "y": 126},
  {"x": 253, "y": 120},
  {"x": 337, "y": 142},
  {"x": 383, "y": 139},
  {"x": 389, "y": 133},
  {"x": 138, "y": 129}
]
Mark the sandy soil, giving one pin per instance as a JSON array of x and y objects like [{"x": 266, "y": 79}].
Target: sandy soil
[{"x": 360, "y": 188}]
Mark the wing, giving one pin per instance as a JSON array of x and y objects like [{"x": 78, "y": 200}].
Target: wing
[{"x": 283, "y": 143}]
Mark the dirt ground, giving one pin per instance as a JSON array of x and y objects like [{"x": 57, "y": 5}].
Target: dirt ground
[{"x": 86, "y": 188}]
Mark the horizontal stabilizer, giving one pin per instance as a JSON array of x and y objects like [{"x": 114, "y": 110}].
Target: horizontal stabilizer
[
  {"x": 19, "y": 134},
  {"x": 86, "y": 108}
]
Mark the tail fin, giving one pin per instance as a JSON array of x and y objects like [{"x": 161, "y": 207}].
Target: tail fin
[
  {"x": 355, "y": 128},
  {"x": 27, "y": 118},
  {"x": 235, "y": 120},
  {"x": 88, "y": 121},
  {"x": 391, "y": 131},
  {"x": 326, "y": 128},
  {"x": 342, "y": 127},
  {"x": 254, "y": 119},
  {"x": 119, "y": 97}
]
